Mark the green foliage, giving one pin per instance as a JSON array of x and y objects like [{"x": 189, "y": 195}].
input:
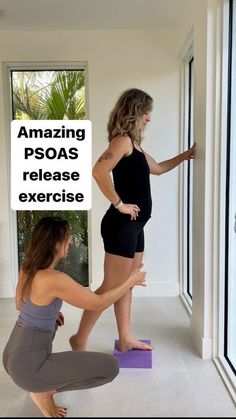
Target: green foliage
[
  {"x": 53, "y": 95},
  {"x": 49, "y": 95}
]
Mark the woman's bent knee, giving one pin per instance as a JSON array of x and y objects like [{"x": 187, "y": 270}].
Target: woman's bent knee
[{"x": 112, "y": 369}]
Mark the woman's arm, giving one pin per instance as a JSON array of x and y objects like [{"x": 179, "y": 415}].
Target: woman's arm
[
  {"x": 119, "y": 147},
  {"x": 65, "y": 288},
  {"x": 19, "y": 287},
  {"x": 167, "y": 165}
]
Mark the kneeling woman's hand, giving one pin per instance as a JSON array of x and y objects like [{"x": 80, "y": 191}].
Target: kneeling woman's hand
[
  {"x": 60, "y": 319},
  {"x": 137, "y": 277}
]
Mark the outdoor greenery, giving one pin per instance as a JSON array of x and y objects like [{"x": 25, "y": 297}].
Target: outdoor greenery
[
  {"x": 48, "y": 94},
  {"x": 53, "y": 95}
]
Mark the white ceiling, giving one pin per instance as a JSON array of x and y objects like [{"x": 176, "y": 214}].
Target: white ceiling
[{"x": 89, "y": 14}]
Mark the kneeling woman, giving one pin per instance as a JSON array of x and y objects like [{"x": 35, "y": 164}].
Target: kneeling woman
[{"x": 28, "y": 356}]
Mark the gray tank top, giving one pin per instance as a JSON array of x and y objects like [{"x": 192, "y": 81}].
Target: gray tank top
[{"x": 39, "y": 317}]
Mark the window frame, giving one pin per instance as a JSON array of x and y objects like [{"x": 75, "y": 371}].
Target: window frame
[
  {"x": 189, "y": 203},
  {"x": 8, "y": 67},
  {"x": 186, "y": 57},
  {"x": 228, "y": 173},
  {"x": 220, "y": 188}
]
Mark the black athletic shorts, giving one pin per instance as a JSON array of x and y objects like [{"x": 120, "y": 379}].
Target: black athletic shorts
[{"x": 121, "y": 236}]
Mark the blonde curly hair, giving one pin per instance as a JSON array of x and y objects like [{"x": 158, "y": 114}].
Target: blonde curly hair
[{"x": 124, "y": 118}]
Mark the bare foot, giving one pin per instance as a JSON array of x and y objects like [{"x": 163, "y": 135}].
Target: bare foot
[
  {"x": 75, "y": 346},
  {"x": 128, "y": 345},
  {"x": 45, "y": 403}
]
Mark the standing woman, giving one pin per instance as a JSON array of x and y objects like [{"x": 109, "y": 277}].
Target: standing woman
[
  {"x": 41, "y": 289},
  {"x": 130, "y": 209}
]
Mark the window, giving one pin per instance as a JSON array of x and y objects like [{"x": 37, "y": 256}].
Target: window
[
  {"x": 189, "y": 182},
  {"x": 230, "y": 200},
  {"x": 52, "y": 94},
  {"x": 186, "y": 181},
  {"x": 226, "y": 351}
]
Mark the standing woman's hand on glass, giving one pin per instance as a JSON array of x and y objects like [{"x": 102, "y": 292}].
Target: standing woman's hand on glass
[{"x": 190, "y": 153}]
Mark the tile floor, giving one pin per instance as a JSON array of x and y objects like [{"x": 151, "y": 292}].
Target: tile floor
[{"x": 180, "y": 384}]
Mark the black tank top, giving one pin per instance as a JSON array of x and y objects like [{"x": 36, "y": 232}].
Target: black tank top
[{"x": 131, "y": 178}]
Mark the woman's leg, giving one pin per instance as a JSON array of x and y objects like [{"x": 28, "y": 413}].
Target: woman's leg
[
  {"x": 68, "y": 371},
  {"x": 78, "y": 342},
  {"x": 116, "y": 270},
  {"x": 123, "y": 316},
  {"x": 71, "y": 370},
  {"x": 45, "y": 403}
]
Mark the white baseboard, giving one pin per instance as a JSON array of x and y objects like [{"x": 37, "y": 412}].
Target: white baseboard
[
  {"x": 204, "y": 345},
  {"x": 157, "y": 289},
  {"x": 6, "y": 290},
  {"x": 207, "y": 348}
]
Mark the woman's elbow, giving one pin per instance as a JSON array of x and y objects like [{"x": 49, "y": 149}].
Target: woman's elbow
[
  {"x": 99, "y": 175},
  {"x": 96, "y": 173}
]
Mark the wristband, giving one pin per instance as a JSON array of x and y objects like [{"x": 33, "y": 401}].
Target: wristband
[
  {"x": 114, "y": 205},
  {"x": 119, "y": 204}
]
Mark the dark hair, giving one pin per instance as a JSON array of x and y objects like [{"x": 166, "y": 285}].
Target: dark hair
[
  {"x": 124, "y": 118},
  {"x": 42, "y": 247}
]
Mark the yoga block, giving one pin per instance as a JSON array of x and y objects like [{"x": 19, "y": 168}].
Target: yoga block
[{"x": 136, "y": 358}]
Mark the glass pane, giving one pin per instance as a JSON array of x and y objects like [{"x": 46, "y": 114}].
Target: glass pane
[
  {"x": 231, "y": 206},
  {"x": 58, "y": 94},
  {"x": 190, "y": 179}
]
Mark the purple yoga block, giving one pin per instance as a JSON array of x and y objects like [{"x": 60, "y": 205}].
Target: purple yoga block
[{"x": 136, "y": 358}]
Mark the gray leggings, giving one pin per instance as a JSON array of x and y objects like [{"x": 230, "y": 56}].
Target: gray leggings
[{"x": 29, "y": 360}]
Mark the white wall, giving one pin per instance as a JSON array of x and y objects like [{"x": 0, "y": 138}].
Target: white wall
[
  {"x": 6, "y": 286},
  {"x": 116, "y": 60}
]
